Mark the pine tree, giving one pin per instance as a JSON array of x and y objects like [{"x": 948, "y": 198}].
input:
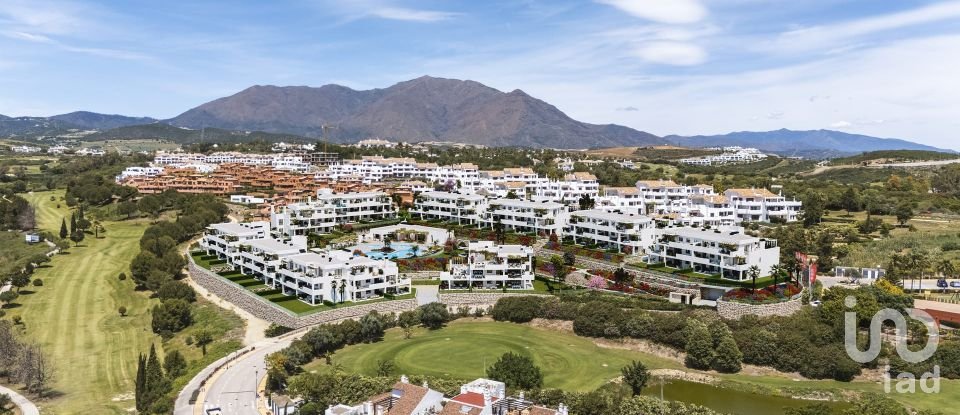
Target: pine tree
[
  {"x": 139, "y": 384},
  {"x": 63, "y": 228},
  {"x": 73, "y": 223}
]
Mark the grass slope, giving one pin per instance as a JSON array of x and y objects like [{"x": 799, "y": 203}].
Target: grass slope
[
  {"x": 465, "y": 347},
  {"x": 74, "y": 318}
]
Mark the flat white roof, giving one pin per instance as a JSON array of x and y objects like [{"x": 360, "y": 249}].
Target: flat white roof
[
  {"x": 451, "y": 195},
  {"x": 272, "y": 245},
  {"x": 526, "y": 203},
  {"x": 489, "y": 246},
  {"x": 724, "y": 236},
  {"x": 247, "y": 228},
  {"x": 613, "y": 216}
]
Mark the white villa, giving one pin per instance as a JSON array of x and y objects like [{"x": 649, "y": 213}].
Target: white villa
[
  {"x": 328, "y": 210},
  {"x": 492, "y": 266},
  {"x": 726, "y": 251},
  {"x": 627, "y": 232}
]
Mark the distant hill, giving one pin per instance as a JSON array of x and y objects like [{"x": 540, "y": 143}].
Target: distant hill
[
  {"x": 95, "y": 121},
  {"x": 812, "y": 144},
  {"x": 182, "y": 135},
  {"x": 32, "y": 127},
  {"x": 894, "y": 156},
  {"x": 423, "y": 109}
]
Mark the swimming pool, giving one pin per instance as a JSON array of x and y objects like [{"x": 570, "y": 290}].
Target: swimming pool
[{"x": 400, "y": 250}]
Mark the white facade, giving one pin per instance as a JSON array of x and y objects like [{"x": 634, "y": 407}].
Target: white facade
[
  {"x": 138, "y": 172},
  {"x": 726, "y": 251},
  {"x": 26, "y": 149},
  {"x": 753, "y": 205},
  {"x": 328, "y": 210},
  {"x": 247, "y": 200},
  {"x": 464, "y": 209},
  {"x": 224, "y": 239},
  {"x": 492, "y": 266},
  {"x": 526, "y": 216},
  {"x": 338, "y": 276},
  {"x": 627, "y": 232},
  {"x": 730, "y": 155}
]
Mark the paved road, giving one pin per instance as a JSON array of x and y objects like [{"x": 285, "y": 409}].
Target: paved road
[{"x": 26, "y": 407}]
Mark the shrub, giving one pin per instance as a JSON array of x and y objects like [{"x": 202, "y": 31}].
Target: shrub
[
  {"x": 275, "y": 330},
  {"x": 38, "y": 282},
  {"x": 516, "y": 309},
  {"x": 176, "y": 290},
  {"x": 171, "y": 315},
  {"x": 596, "y": 318},
  {"x": 699, "y": 346}
]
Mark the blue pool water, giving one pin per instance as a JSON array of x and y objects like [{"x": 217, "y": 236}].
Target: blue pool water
[{"x": 400, "y": 250}]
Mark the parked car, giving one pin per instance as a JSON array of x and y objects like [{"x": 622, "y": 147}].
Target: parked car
[
  {"x": 942, "y": 283},
  {"x": 815, "y": 303},
  {"x": 955, "y": 284}
]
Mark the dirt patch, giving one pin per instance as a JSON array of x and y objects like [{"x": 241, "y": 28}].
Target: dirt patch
[{"x": 695, "y": 377}]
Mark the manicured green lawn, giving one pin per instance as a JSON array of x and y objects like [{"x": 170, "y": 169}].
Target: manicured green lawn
[
  {"x": 74, "y": 318},
  {"x": 466, "y": 347}
]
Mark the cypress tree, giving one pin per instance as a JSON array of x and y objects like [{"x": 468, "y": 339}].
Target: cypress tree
[
  {"x": 155, "y": 383},
  {"x": 139, "y": 384},
  {"x": 80, "y": 213},
  {"x": 63, "y": 228},
  {"x": 73, "y": 223},
  {"x": 699, "y": 345}
]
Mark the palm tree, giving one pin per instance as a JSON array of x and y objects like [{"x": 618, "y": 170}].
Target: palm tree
[
  {"x": 776, "y": 271},
  {"x": 343, "y": 287},
  {"x": 919, "y": 261},
  {"x": 754, "y": 273},
  {"x": 414, "y": 249},
  {"x": 946, "y": 268}
]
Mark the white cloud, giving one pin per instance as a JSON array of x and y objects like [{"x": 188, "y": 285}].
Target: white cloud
[
  {"x": 102, "y": 52},
  {"x": 664, "y": 11},
  {"x": 841, "y": 124},
  {"x": 672, "y": 53},
  {"x": 835, "y": 37},
  {"x": 412, "y": 15}
]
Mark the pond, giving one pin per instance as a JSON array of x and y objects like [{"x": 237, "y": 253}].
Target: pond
[{"x": 728, "y": 401}]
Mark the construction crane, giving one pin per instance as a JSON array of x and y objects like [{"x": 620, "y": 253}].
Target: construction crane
[{"x": 323, "y": 134}]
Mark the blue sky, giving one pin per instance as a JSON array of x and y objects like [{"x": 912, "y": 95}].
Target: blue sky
[{"x": 885, "y": 68}]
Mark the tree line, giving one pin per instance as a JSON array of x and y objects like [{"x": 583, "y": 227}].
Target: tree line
[{"x": 23, "y": 363}]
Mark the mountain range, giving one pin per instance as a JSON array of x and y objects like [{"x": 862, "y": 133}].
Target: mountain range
[{"x": 422, "y": 109}]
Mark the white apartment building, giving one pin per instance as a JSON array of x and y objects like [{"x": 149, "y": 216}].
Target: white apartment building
[
  {"x": 627, "y": 232},
  {"x": 623, "y": 199},
  {"x": 338, "y": 276},
  {"x": 526, "y": 216},
  {"x": 138, "y": 172},
  {"x": 762, "y": 205},
  {"x": 492, "y": 266},
  {"x": 567, "y": 191},
  {"x": 727, "y": 251},
  {"x": 661, "y": 192},
  {"x": 464, "y": 209},
  {"x": 328, "y": 210},
  {"x": 25, "y": 149},
  {"x": 261, "y": 258},
  {"x": 224, "y": 239},
  {"x": 90, "y": 152},
  {"x": 277, "y": 161},
  {"x": 730, "y": 155}
]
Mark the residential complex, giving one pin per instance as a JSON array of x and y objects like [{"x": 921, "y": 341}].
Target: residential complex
[
  {"x": 763, "y": 205},
  {"x": 726, "y": 251},
  {"x": 526, "y": 216},
  {"x": 312, "y": 276},
  {"x": 329, "y": 210},
  {"x": 463, "y": 209},
  {"x": 492, "y": 266},
  {"x": 625, "y": 232},
  {"x": 730, "y": 155}
]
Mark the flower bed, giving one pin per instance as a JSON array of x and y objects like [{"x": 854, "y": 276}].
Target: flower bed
[
  {"x": 767, "y": 295},
  {"x": 422, "y": 264}
]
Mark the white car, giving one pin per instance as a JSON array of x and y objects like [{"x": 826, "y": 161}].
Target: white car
[{"x": 815, "y": 303}]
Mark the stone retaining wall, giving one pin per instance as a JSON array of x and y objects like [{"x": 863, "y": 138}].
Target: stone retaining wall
[
  {"x": 590, "y": 263},
  {"x": 421, "y": 275},
  {"x": 734, "y": 310},
  {"x": 262, "y": 308}
]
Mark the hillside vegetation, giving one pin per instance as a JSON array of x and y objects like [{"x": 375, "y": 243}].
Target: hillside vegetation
[{"x": 894, "y": 156}]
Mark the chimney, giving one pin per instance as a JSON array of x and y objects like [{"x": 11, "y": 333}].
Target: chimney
[{"x": 487, "y": 398}]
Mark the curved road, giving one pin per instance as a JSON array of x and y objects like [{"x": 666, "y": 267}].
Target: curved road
[
  {"x": 233, "y": 388},
  {"x": 26, "y": 407}
]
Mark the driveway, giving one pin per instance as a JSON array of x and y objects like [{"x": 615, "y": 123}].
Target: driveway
[
  {"x": 427, "y": 294},
  {"x": 26, "y": 407}
]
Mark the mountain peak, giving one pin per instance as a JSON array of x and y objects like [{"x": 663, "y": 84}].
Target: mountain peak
[{"x": 426, "y": 108}]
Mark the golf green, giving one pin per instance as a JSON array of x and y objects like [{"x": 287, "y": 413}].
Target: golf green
[{"x": 466, "y": 347}]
